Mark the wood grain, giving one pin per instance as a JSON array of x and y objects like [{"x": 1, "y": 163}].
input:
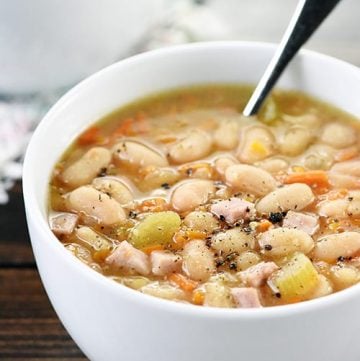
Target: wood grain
[{"x": 29, "y": 327}]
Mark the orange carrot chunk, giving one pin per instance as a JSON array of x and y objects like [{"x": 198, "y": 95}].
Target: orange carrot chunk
[
  {"x": 314, "y": 178},
  {"x": 183, "y": 282},
  {"x": 90, "y": 136}
]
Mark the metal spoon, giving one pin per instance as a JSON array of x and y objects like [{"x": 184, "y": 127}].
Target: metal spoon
[{"x": 309, "y": 14}]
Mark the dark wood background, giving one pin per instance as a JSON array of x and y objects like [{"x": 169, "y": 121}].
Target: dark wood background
[{"x": 29, "y": 327}]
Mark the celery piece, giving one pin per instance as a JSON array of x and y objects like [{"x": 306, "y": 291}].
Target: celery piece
[
  {"x": 297, "y": 278},
  {"x": 156, "y": 228}
]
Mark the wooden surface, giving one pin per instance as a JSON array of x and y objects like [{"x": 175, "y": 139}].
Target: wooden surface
[{"x": 29, "y": 327}]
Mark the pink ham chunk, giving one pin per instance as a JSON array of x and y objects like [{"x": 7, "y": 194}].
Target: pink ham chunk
[
  {"x": 63, "y": 223},
  {"x": 130, "y": 259},
  {"x": 303, "y": 222},
  {"x": 246, "y": 297},
  {"x": 164, "y": 262},
  {"x": 256, "y": 276},
  {"x": 233, "y": 210}
]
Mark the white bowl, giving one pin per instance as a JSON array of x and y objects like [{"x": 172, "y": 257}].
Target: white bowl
[{"x": 111, "y": 322}]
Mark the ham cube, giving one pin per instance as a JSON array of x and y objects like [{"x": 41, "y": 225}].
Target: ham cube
[
  {"x": 246, "y": 297},
  {"x": 63, "y": 223},
  {"x": 256, "y": 276},
  {"x": 164, "y": 262},
  {"x": 304, "y": 222},
  {"x": 130, "y": 259},
  {"x": 233, "y": 210}
]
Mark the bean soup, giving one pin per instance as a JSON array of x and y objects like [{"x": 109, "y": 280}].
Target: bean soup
[{"x": 181, "y": 197}]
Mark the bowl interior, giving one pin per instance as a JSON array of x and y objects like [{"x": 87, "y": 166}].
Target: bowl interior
[{"x": 230, "y": 62}]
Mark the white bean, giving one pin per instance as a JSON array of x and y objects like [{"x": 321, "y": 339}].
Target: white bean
[
  {"x": 354, "y": 203},
  {"x": 257, "y": 143},
  {"x": 344, "y": 276},
  {"x": 295, "y": 141},
  {"x": 190, "y": 194},
  {"x": 93, "y": 239},
  {"x": 201, "y": 221},
  {"x": 335, "y": 208},
  {"x": 250, "y": 179},
  {"x": 223, "y": 163},
  {"x": 338, "y": 180},
  {"x": 114, "y": 188},
  {"x": 138, "y": 155},
  {"x": 351, "y": 167},
  {"x": 338, "y": 135},
  {"x": 273, "y": 165},
  {"x": 318, "y": 156},
  {"x": 280, "y": 242},
  {"x": 87, "y": 167},
  {"x": 293, "y": 197},
  {"x": 232, "y": 240},
  {"x": 333, "y": 246},
  {"x": 195, "y": 145},
  {"x": 198, "y": 260},
  {"x": 246, "y": 260},
  {"x": 226, "y": 136},
  {"x": 217, "y": 295},
  {"x": 311, "y": 121},
  {"x": 96, "y": 204}
]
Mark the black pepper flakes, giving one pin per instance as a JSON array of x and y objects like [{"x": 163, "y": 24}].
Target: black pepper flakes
[
  {"x": 276, "y": 217},
  {"x": 103, "y": 172},
  {"x": 268, "y": 247},
  {"x": 132, "y": 214},
  {"x": 233, "y": 266},
  {"x": 165, "y": 185}
]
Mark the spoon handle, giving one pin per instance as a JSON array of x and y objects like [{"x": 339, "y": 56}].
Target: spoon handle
[{"x": 308, "y": 15}]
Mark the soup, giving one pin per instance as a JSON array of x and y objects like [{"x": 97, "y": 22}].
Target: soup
[{"x": 181, "y": 197}]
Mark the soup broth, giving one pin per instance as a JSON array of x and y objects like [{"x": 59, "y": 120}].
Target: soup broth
[{"x": 179, "y": 196}]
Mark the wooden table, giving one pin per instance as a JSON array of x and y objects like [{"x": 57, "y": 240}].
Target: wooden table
[{"x": 29, "y": 327}]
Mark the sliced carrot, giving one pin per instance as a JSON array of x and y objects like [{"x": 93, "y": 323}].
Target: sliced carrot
[
  {"x": 264, "y": 225},
  {"x": 198, "y": 297},
  {"x": 155, "y": 247},
  {"x": 90, "y": 136},
  {"x": 126, "y": 128},
  {"x": 153, "y": 205},
  {"x": 346, "y": 154},
  {"x": 183, "y": 282},
  {"x": 191, "y": 234},
  {"x": 314, "y": 178},
  {"x": 179, "y": 241}
]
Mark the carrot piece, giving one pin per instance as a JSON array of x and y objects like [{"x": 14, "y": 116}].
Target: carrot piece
[
  {"x": 314, "y": 178},
  {"x": 264, "y": 225},
  {"x": 191, "y": 234},
  {"x": 155, "y": 247},
  {"x": 198, "y": 297},
  {"x": 90, "y": 136},
  {"x": 179, "y": 241},
  {"x": 126, "y": 127},
  {"x": 346, "y": 154},
  {"x": 153, "y": 205},
  {"x": 183, "y": 282}
]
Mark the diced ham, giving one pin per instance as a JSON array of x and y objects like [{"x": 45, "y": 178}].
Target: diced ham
[
  {"x": 127, "y": 257},
  {"x": 164, "y": 262},
  {"x": 304, "y": 222},
  {"x": 233, "y": 209},
  {"x": 246, "y": 297},
  {"x": 256, "y": 276},
  {"x": 63, "y": 223}
]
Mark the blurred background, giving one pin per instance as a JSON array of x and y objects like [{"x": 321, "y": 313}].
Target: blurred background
[{"x": 47, "y": 46}]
